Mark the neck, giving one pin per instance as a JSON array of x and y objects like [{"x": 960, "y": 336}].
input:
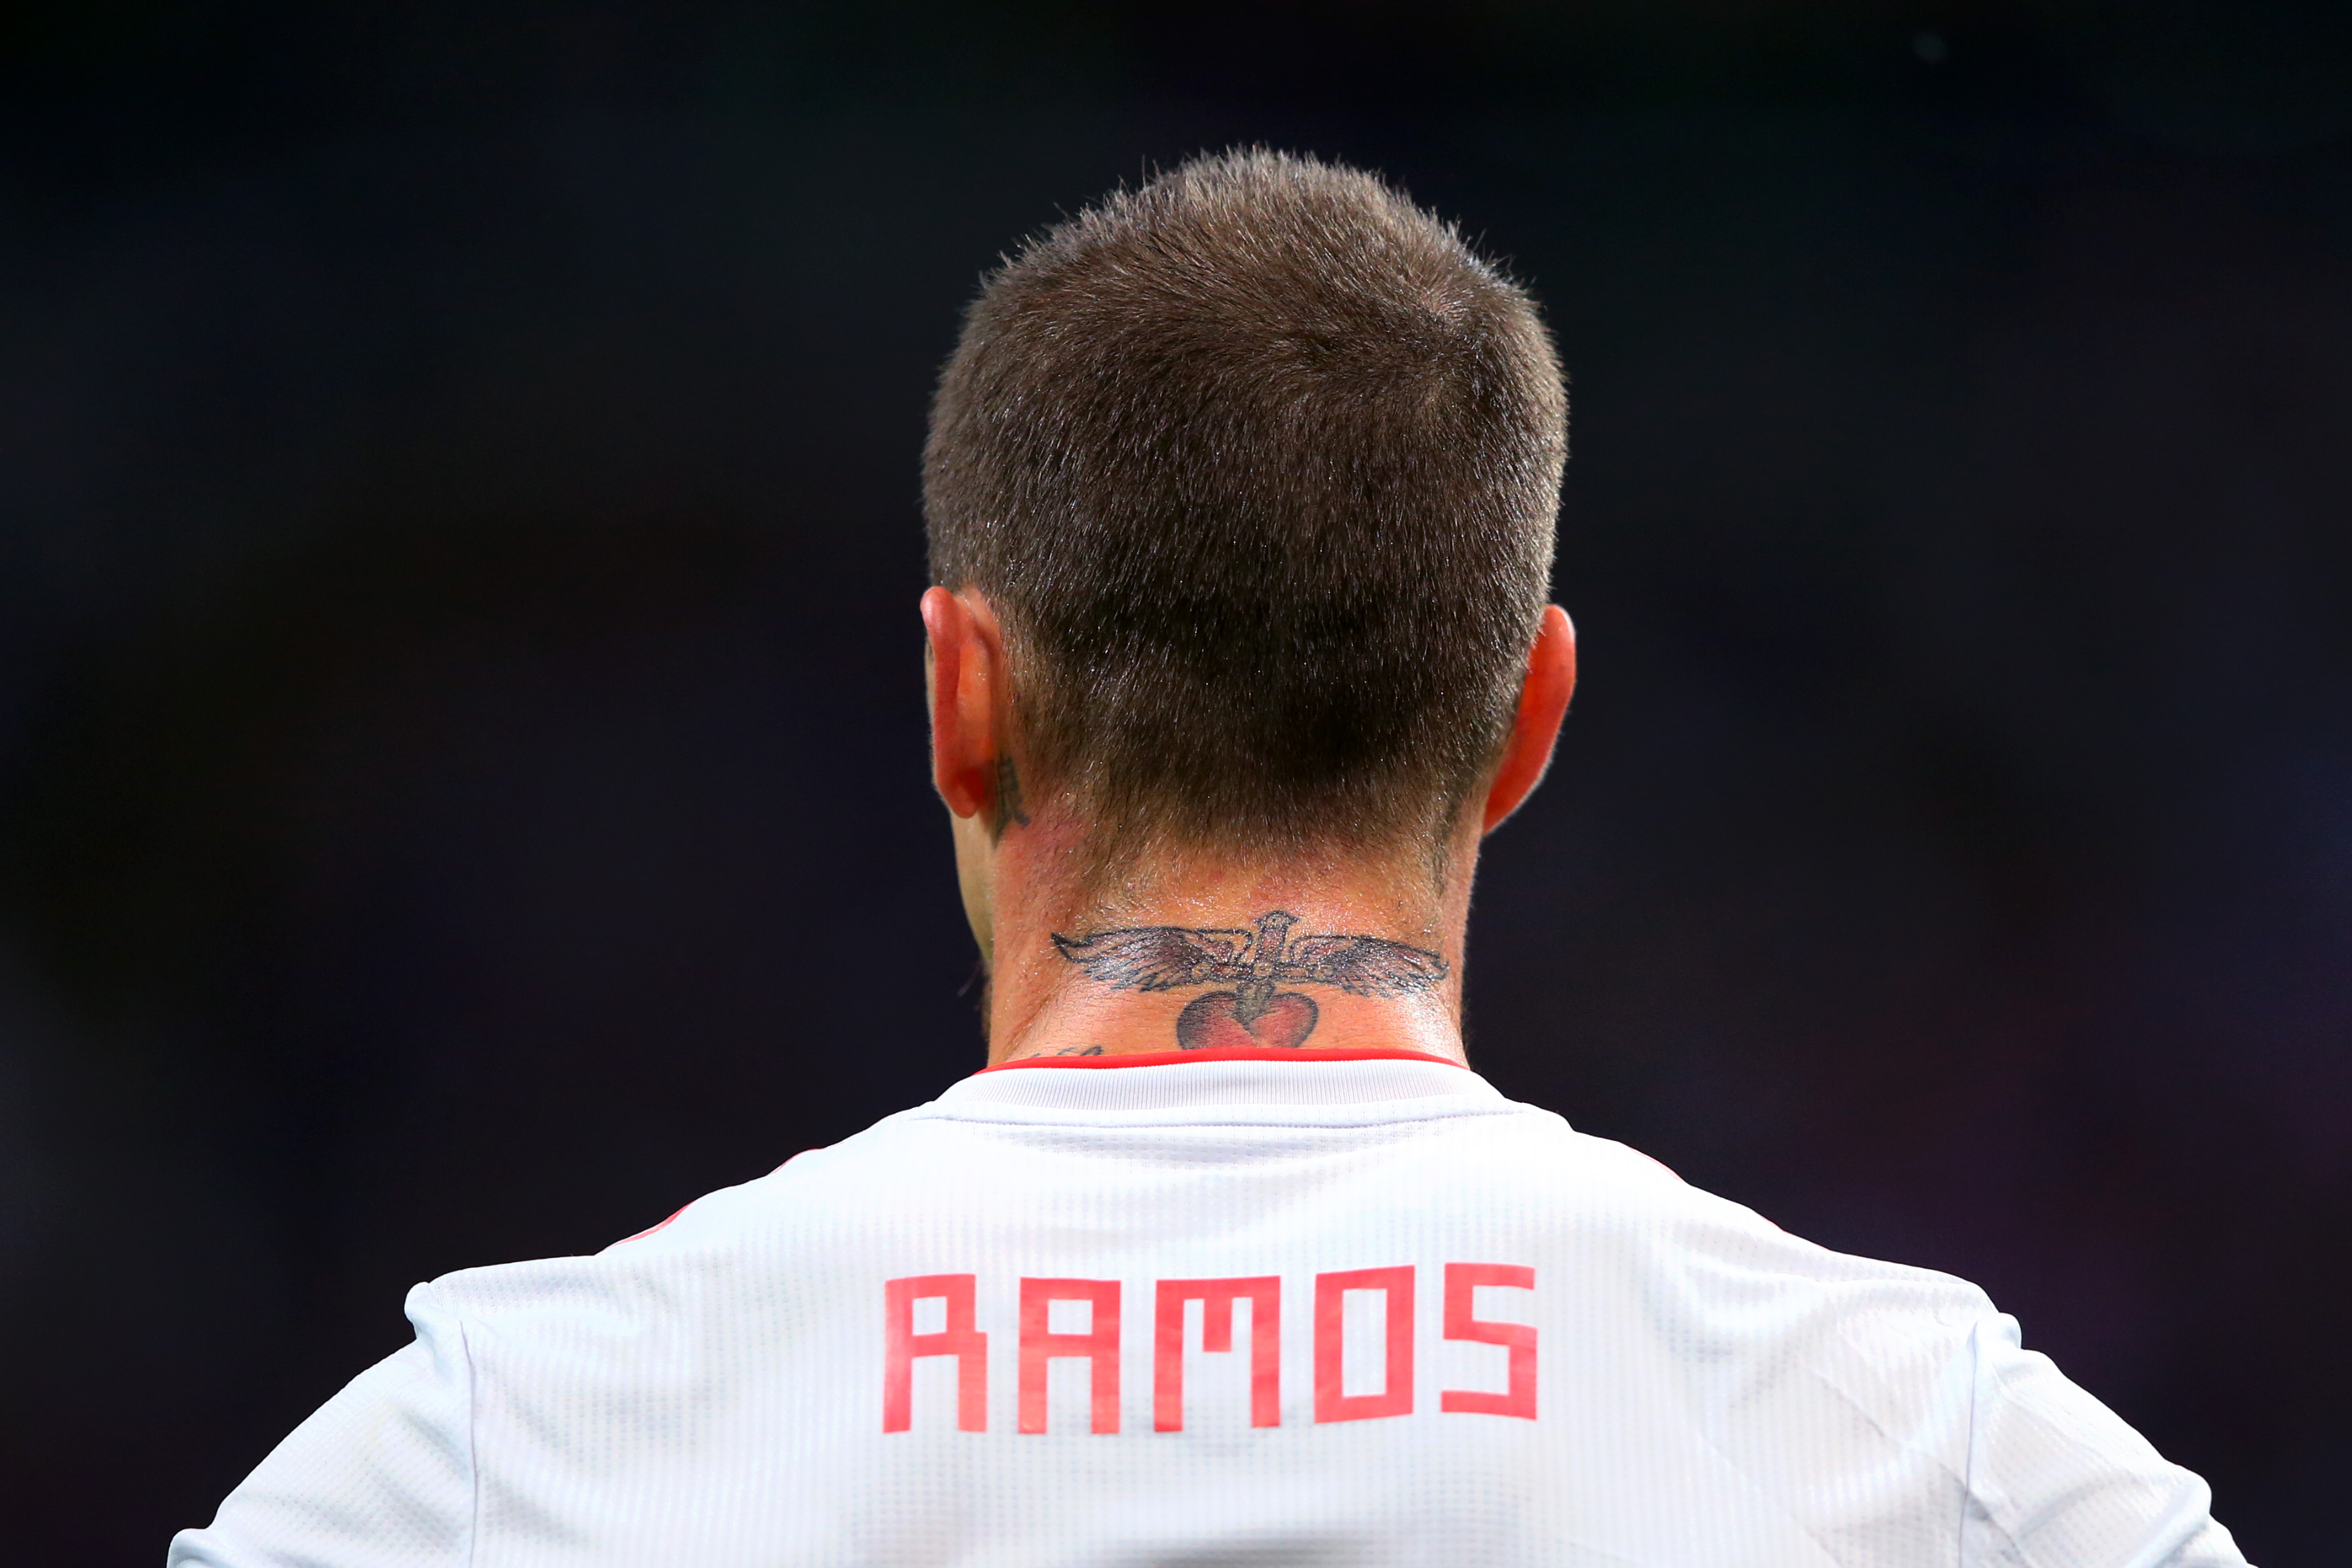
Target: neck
[{"x": 1311, "y": 953}]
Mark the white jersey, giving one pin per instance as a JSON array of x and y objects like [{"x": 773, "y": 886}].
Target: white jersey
[{"x": 1243, "y": 1307}]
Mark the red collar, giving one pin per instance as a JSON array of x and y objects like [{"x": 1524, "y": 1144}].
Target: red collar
[{"x": 1221, "y": 1053}]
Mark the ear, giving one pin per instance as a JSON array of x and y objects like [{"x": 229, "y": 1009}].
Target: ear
[
  {"x": 1543, "y": 703},
  {"x": 966, "y": 663}
]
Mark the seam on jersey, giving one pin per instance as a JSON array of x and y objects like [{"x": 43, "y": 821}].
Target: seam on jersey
[
  {"x": 1969, "y": 1466},
  {"x": 1977, "y": 1517},
  {"x": 1766, "y": 1494},
  {"x": 1704, "y": 1423},
  {"x": 473, "y": 1447}
]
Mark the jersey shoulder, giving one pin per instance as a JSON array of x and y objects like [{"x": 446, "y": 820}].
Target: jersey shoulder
[
  {"x": 1592, "y": 1184},
  {"x": 662, "y": 1265}
]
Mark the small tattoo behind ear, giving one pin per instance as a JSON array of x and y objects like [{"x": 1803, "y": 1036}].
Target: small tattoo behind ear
[{"x": 1008, "y": 799}]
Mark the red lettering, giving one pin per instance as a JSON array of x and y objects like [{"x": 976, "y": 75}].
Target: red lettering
[
  {"x": 902, "y": 1346},
  {"x": 1461, "y": 1279},
  {"x": 1098, "y": 1345},
  {"x": 1331, "y": 1403},
  {"x": 1216, "y": 1297}
]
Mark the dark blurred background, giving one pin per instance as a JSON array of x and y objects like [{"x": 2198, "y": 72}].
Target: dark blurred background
[{"x": 461, "y": 757}]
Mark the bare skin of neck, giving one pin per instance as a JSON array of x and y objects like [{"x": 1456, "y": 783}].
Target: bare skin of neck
[{"x": 1186, "y": 951}]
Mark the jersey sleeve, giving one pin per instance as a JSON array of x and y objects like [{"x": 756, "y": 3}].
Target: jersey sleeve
[
  {"x": 2056, "y": 1479},
  {"x": 382, "y": 1475}
]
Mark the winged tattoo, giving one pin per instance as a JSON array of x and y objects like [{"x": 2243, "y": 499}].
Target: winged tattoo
[{"x": 1254, "y": 963}]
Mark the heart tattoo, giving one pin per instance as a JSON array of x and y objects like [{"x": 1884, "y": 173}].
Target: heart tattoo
[
  {"x": 1288, "y": 1017},
  {"x": 1254, "y": 963}
]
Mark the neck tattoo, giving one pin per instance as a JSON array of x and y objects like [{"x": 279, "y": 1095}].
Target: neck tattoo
[{"x": 1254, "y": 964}]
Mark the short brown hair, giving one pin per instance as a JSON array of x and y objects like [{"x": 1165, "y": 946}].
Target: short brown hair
[{"x": 1257, "y": 465}]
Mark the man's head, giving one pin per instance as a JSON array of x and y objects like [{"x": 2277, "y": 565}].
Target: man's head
[{"x": 1256, "y": 467}]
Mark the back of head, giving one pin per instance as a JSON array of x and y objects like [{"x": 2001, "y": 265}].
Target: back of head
[{"x": 1258, "y": 465}]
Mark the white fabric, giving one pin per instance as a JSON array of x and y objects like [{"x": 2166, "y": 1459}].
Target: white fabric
[{"x": 1707, "y": 1389}]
